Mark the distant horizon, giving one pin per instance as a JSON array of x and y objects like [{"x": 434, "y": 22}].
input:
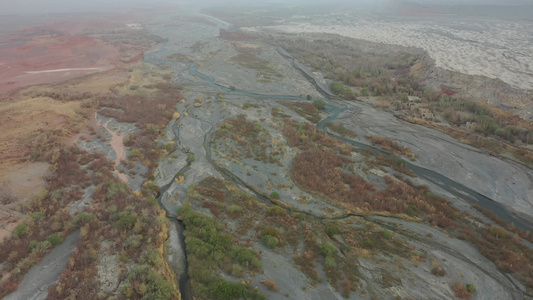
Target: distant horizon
[{"x": 35, "y": 7}]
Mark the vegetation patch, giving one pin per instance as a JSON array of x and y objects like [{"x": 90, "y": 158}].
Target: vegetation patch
[
  {"x": 242, "y": 138},
  {"x": 307, "y": 110},
  {"x": 210, "y": 248},
  {"x": 390, "y": 146},
  {"x": 339, "y": 129}
]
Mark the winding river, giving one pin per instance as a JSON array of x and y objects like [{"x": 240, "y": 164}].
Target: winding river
[{"x": 333, "y": 108}]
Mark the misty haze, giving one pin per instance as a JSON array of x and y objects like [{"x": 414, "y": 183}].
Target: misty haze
[{"x": 266, "y": 149}]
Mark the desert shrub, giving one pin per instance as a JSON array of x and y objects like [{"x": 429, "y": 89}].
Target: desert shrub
[
  {"x": 153, "y": 258},
  {"x": 274, "y": 195},
  {"x": 148, "y": 284},
  {"x": 412, "y": 210},
  {"x": 114, "y": 188},
  {"x": 337, "y": 87},
  {"x": 126, "y": 221},
  {"x": 327, "y": 249},
  {"x": 236, "y": 270},
  {"x": 24, "y": 264},
  {"x": 33, "y": 244},
  {"x": 225, "y": 290},
  {"x": 270, "y": 284},
  {"x": 471, "y": 288},
  {"x": 320, "y": 104},
  {"x": 298, "y": 215},
  {"x": 247, "y": 257},
  {"x": 235, "y": 209},
  {"x": 270, "y": 241},
  {"x": 135, "y": 154},
  {"x": 438, "y": 271},
  {"x": 42, "y": 246},
  {"x": 55, "y": 239},
  {"x": 498, "y": 232},
  {"x": 306, "y": 110},
  {"x": 133, "y": 241},
  {"x": 84, "y": 218},
  {"x": 276, "y": 211},
  {"x": 37, "y": 216},
  {"x": 271, "y": 231},
  {"x": 386, "y": 234},
  {"x": 330, "y": 262},
  {"x": 332, "y": 230},
  {"x": 21, "y": 230},
  {"x": 461, "y": 291}
]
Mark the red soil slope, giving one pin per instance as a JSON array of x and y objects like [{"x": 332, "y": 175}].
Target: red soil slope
[{"x": 41, "y": 49}]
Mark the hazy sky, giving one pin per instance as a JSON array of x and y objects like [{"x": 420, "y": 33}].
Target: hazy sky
[{"x": 48, "y": 6}]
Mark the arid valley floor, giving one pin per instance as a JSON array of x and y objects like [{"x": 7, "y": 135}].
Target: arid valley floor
[{"x": 251, "y": 152}]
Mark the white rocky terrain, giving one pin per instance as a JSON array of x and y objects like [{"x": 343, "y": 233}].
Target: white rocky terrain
[{"x": 478, "y": 46}]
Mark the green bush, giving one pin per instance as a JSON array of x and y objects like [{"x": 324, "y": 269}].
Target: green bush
[
  {"x": 327, "y": 249},
  {"x": 276, "y": 211},
  {"x": 247, "y": 257},
  {"x": 471, "y": 288},
  {"x": 126, "y": 222},
  {"x": 236, "y": 270},
  {"x": 320, "y": 104},
  {"x": 271, "y": 231},
  {"x": 55, "y": 239},
  {"x": 149, "y": 284},
  {"x": 153, "y": 258},
  {"x": 330, "y": 262},
  {"x": 386, "y": 234},
  {"x": 42, "y": 246},
  {"x": 84, "y": 218},
  {"x": 135, "y": 154},
  {"x": 226, "y": 290},
  {"x": 412, "y": 210},
  {"x": 337, "y": 87},
  {"x": 332, "y": 230},
  {"x": 498, "y": 232},
  {"x": 33, "y": 244},
  {"x": 37, "y": 216},
  {"x": 299, "y": 216},
  {"x": 270, "y": 241},
  {"x": 274, "y": 195},
  {"x": 21, "y": 230},
  {"x": 154, "y": 188},
  {"x": 233, "y": 209},
  {"x": 113, "y": 188}
]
